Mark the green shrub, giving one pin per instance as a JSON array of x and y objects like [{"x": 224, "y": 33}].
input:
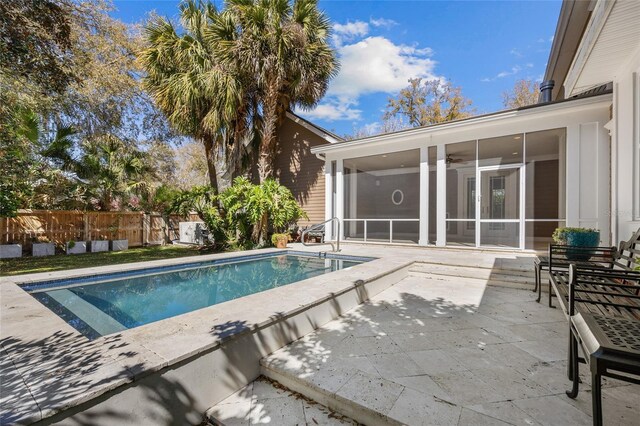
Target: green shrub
[
  {"x": 243, "y": 214},
  {"x": 560, "y": 237}
]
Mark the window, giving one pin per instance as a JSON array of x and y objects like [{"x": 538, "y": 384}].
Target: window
[
  {"x": 382, "y": 195},
  {"x": 460, "y": 193},
  {"x": 497, "y": 194},
  {"x": 545, "y": 202}
]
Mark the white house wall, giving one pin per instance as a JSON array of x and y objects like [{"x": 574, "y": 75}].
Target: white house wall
[
  {"x": 625, "y": 134},
  {"x": 587, "y": 159}
]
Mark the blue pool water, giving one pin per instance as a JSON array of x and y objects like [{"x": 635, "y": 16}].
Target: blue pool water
[{"x": 109, "y": 303}]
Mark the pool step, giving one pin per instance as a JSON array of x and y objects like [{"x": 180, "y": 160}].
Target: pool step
[
  {"x": 517, "y": 278},
  {"x": 323, "y": 390},
  {"x": 266, "y": 401},
  {"x": 102, "y": 323}
]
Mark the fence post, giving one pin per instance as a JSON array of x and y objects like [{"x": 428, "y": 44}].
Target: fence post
[
  {"x": 163, "y": 229},
  {"x": 146, "y": 227},
  {"x": 85, "y": 217}
]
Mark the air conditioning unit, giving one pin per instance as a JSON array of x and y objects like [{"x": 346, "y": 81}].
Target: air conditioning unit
[{"x": 192, "y": 233}]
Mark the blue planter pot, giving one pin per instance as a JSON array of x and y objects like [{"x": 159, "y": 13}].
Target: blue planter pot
[{"x": 581, "y": 239}]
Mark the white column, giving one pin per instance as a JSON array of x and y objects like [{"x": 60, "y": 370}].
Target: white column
[
  {"x": 562, "y": 170},
  {"x": 340, "y": 195},
  {"x": 353, "y": 202},
  {"x": 604, "y": 194},
  {"x": 424, "y": 195},
  {"x": 328, "y": 197},
  {"x": 441, "y": 213},
  {"x": 573, "y": 175}
]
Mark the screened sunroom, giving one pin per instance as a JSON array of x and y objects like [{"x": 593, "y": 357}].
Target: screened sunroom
[{"x": 503, "y": 180}]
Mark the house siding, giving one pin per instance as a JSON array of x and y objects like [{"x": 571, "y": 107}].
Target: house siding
[{"x": 300, "y": 170}]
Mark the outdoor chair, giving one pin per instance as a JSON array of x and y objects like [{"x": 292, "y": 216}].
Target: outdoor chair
[
  {"x": 317, "y": 234},
  {"x": 560, "y": 257},
  {"x": 604, "y": 316}
]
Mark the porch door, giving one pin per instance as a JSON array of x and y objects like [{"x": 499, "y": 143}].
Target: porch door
[{"x": 499, "y": 203}]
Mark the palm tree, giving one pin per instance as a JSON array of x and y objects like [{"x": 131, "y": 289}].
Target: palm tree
[
  {"x": 113, "y": 170},
  {"x": 282, "y": 49},
  {"x": 200, "y": 96}
]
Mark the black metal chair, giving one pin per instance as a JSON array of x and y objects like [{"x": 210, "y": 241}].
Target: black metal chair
[
  {"x": 599, "y": 257},
  {"x": 561, "y": 257}
]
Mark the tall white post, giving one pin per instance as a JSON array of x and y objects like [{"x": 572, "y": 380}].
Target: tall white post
[
  {"x": 340, "y": 194},
  {"x": 328, "y": 197},
  {"x": 573, "y": 176},
  {"x": 441, "y": 212},
  {"x": 352, "y": 180},
  {"x": 424, "y": 194}
]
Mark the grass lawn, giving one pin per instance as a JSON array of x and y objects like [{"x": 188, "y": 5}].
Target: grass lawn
[{"x": 59, "y": 262}]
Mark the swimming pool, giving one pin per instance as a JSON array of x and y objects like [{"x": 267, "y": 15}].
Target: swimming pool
[{"x": 98, "y": 305}]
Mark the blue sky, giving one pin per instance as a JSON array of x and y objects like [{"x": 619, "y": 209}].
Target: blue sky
[{"x": 481, "y": 46}]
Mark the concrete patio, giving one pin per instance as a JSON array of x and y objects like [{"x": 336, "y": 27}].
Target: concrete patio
[
  {"x": 445, "y": 337},
  {"x": 437, "y": 349}
]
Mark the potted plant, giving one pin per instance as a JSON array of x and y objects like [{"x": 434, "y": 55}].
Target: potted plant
[
  {"x": 580, "y": 238},
  {"x": 117, "y": 245},
  {"x": 76, "y": 247},
  {"x": 280, "y": 240},
  {"x": 42, "y": 246},
  {"x": 101, "y": 244},
  {"x": 10, "y": 250}
]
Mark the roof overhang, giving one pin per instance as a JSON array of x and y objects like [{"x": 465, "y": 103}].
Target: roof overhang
[
  {"x": 572, "y": 21},
  {"x": 324, "y": 134},
  {"x": 610, "y": 41},
  {"x": 397, "y": 138}
]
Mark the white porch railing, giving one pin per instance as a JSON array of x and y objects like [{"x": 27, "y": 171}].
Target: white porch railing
[{"x": 366, "y": 222}]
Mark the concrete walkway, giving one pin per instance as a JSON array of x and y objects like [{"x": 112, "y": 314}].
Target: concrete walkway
[
  {"x": 266, "y": 402},
  {"x": 446, "y": 350}
]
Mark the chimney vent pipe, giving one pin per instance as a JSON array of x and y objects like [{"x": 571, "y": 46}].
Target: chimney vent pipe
[{"x": 546, "y": 88}]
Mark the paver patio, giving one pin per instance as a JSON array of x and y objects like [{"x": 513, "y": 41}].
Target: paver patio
[{"x": 446, "y": 350}]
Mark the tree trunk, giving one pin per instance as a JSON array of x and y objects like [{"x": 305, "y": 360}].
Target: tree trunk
[
  {"x": 266, "y": 151},
  {"x": 224, "y": 166},
  {"x": 260, "y": 230},
  {"x": 211, "y": 167},
  {"x": 274, "y": 110}
]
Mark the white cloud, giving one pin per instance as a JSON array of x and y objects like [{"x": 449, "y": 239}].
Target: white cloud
[
  {"x": 349, "y": 31},
  {"x": 382, "y": 22},
  {"x": 513, "y": 71},
  {"x": 516, "y": 52},
  {"x": 376, "y": 64},
  {"x": 333, "y": 109},
  {"x": 369, "y": 64}
]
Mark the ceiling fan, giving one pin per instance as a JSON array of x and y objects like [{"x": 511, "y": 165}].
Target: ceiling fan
[{"x": 451, "y": 160}]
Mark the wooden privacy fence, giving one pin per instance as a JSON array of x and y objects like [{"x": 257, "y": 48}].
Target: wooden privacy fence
[{"x": 61, "y": 226}]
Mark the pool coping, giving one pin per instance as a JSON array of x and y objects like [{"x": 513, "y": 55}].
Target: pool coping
[{"x": 133, "y": 354}]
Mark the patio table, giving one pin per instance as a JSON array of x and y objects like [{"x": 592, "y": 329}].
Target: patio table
[{"x": 611, "y": 346}]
